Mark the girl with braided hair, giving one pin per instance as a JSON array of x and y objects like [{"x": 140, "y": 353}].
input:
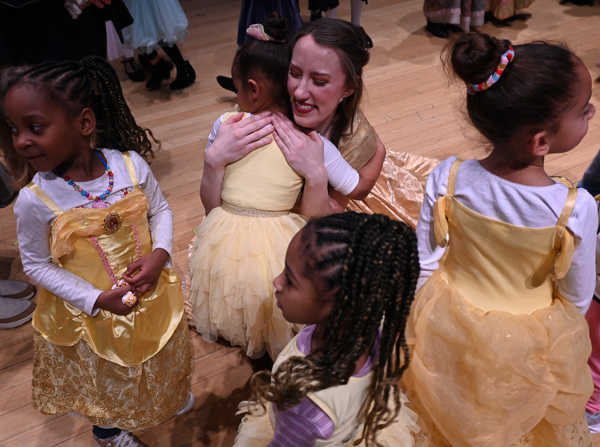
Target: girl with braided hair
[
  {"x": 95, "y": 232},
  {"x": 499, "y": 345},
  {"x": 350, "y": 278}
]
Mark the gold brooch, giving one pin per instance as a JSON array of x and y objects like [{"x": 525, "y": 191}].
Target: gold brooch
[{"x": 112, "y": 223}]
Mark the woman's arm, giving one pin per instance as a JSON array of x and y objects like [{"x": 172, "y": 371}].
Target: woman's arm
[{"x": 235, "y": 139}]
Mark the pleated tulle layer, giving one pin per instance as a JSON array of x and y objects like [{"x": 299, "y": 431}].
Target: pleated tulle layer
[
  {"x": 256, "y": 430},
  {"x": 234, "y": 261},
  {"x": 487, "y": 379},
  {"x": 155, "y": 23}
]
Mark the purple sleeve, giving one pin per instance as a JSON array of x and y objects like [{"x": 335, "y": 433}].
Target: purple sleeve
[{"x": 300, "y": 426}]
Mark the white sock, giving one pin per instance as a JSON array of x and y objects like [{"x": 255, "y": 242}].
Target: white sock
[
  {"x": 332, "y": 13},
  {"x": 357, "y": 7}
]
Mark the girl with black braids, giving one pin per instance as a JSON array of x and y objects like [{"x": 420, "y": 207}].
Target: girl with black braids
[
  {"x": 350, "y": 278},
  {"x": 95, "y": 232}
]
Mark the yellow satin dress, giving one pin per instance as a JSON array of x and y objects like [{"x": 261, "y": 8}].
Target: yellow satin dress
[
  {"x": 498, "y": 356},
  {"x": 240, "y": 248},
  {"x": 400, "y": 188},
  {"x": 126, "y": 371}
]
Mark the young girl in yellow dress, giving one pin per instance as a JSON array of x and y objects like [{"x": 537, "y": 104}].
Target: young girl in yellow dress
[
  {"x": 499, "y": 346},
  {"x": 240, "y": 246},
  {"x": 350, "y": 278},
  {"x": 96, "y": 233}
]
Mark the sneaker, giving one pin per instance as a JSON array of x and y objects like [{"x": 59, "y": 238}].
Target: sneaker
[
  {"x": 123, "y": 439},
  {"x": 14, "y": 313},
  {"x": 188, "y": 405},
  {"x": 19, "y": 290},
  {"x": 593, "y": 421}
]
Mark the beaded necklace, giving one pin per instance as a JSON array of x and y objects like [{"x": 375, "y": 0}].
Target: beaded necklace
[{"x": 84, "y": 193}]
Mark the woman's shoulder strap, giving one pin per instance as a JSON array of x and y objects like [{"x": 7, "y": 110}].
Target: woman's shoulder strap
[
  {"x": 131, "y": 169},
  {"x": 45, "y": 199},
  {"x": 452, "y": 176},
  {"x": 568, "y": 207}
]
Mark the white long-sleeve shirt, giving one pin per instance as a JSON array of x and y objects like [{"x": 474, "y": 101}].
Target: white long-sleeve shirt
[
  {"x": 516, "y": 204},
  {"x": 34, "y": 219},
  {"x": 343, "y": 177}
]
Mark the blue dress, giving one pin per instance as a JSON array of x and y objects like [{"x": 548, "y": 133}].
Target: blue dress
[{"x": 156, "y": 23}]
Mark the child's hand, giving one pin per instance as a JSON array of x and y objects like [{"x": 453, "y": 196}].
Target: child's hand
[
  {"x": 150, "y": 268},
  {"x": 111, "y": 301},
  {"x": 304, "y": 153},
  {"x": 236, "y": 138}
]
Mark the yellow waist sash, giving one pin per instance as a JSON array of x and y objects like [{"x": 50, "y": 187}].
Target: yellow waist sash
[{"x": 79, "y": 243}]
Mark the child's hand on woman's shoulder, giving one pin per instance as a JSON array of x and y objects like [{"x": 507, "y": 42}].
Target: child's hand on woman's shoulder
[
  {"x": 112, "y": 302},
  {"x": 150, "y": 268}
]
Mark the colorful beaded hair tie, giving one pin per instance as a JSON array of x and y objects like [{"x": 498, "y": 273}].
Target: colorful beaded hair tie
[{"x": 505, "y": 59}]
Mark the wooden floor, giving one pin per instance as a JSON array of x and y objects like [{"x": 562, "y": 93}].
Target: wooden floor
[{"x": 412, "y": 108}]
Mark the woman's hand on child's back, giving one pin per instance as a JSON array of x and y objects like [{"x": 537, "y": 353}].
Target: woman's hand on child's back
[
  {"x": 112, "y": 302},
  {"x": 143, "y": 273},
  {"x": 236, "y": 138}
]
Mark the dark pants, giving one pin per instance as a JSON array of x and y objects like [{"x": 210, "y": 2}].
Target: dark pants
[{"x": 591, "y": 177}]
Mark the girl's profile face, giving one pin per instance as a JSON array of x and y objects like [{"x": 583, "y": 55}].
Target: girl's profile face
[
  {"x": 41, "y": 131},
  {"x": 573, "y": 125},
  {"x": 300, "y": 301},
  {"x": 316, "y": 84}
]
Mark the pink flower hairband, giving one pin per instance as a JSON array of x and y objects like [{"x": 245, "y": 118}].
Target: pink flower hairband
[{"x": 258, "y": 32}]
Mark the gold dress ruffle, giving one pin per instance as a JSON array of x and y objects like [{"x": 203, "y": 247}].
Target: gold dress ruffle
[
  {"x": 400, "y": 188},
  {"x": 235, "y": 258},
  {"x": 498, "y": 356}
]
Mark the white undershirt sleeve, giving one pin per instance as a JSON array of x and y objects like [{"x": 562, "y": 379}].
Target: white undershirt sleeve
[{"x": 342, "y": 176}]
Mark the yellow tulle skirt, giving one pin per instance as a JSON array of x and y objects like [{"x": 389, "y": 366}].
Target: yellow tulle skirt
[
  {"x": 234, "y": 260},
  {"x": 256, "y": 430},
  {"x": 491, "y": 379}
]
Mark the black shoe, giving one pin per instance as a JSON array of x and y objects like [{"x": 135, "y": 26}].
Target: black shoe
[
  {"x": 144, "y": 61},
  {"x": 315, "y": 15},
  {"x": 185, "y": 77},
  {"x": 437, "y": 29},
  {"x": 368, "y": 41},
  {"x": 454, "y": 28},
  {"x": 227, "y": 83},
  {"x": 160, "y": 72},
  {"x": 134, "y": 72}
]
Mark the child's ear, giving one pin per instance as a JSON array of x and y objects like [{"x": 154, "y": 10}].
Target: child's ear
[
  {"x": 87, "y": 122},
  {"x": 253, "y": 88},
  {"x": 539, "y": 144}
]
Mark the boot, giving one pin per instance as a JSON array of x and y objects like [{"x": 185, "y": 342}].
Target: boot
[
  {"x": 185, "y": 77},
  {"x": 160, "y": 72}
]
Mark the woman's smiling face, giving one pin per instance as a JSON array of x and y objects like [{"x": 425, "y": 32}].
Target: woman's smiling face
[{"x": 316, "y": 84}]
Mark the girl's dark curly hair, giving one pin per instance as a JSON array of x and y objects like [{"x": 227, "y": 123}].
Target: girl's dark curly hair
[
  {"x": 73, "y": 86},
  {"x": 370, "y": 264}
]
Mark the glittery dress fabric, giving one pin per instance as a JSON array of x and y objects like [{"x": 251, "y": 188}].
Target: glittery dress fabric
[
  {"x": 112, "y": 369},
  {"x": 240, "y": 248},
  {"x": 497, "y": 362},
  {"x": 400, "y": 188}
]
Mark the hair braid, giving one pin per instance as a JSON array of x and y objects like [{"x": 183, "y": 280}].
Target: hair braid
[
  {"x": 89, "y": 83},
  {"x": 371, "y": 265}
]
